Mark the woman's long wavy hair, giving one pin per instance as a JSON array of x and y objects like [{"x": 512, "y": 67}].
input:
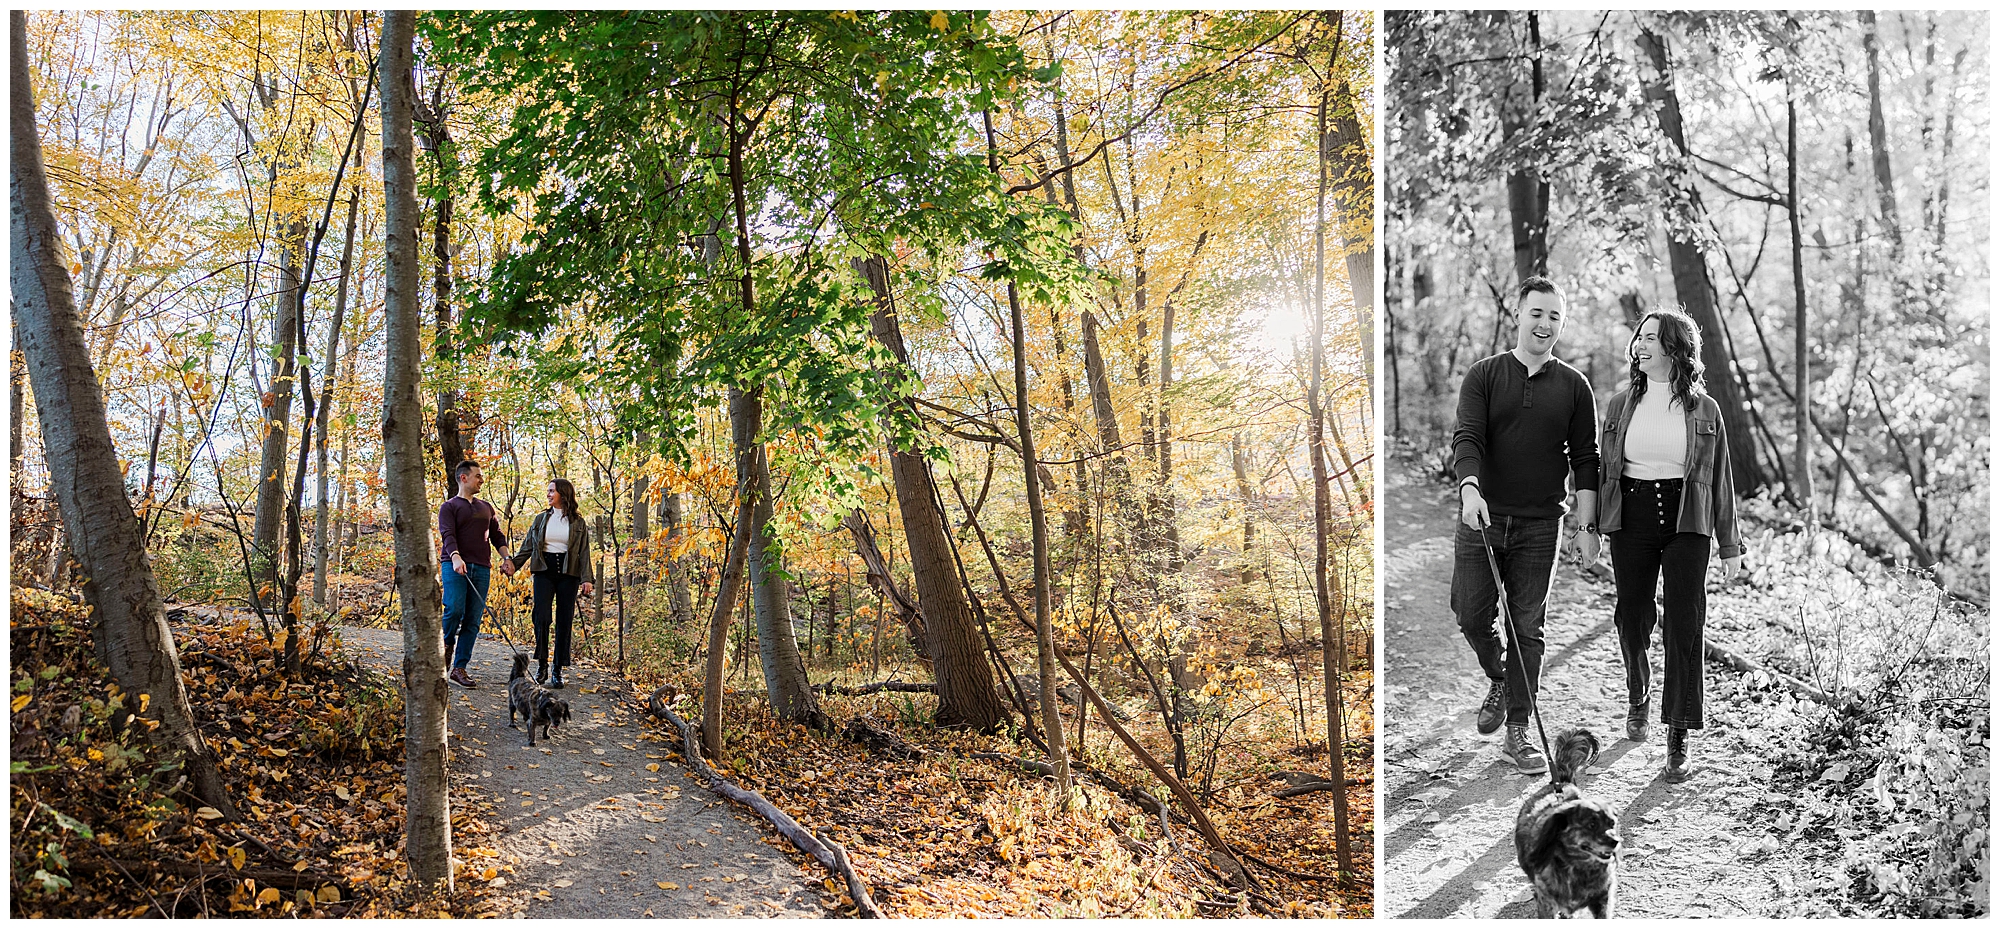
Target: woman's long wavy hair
[
  {"x": 566, "y": 492},
  {"x": 1682, "y": 340}
]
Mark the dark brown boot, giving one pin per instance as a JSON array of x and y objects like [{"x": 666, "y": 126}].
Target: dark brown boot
[{"x": 1678, "y": 765}]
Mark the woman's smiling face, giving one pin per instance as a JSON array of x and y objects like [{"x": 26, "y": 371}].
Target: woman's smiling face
[
  {"x": 1648, "y": 352},
  {"x": 555, "y": 499}
]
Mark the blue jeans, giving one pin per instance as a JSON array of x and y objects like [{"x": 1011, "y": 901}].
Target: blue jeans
[
  {"x": 1525, "y": 547},
  {"x": 462, "y": 608}
]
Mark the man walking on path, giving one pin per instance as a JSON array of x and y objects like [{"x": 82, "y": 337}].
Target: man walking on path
[
  {"x": 466, "y": 525},
  {"x": 1525, "y": 420}
]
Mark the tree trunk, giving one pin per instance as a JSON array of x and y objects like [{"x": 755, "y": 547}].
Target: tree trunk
[
  {"x": 1346, "y": 146},
  {"x": 1527, "y": 192},
  {"x": 1117, "y": 475},
  {"x": 777, "y": 643},
  {"x": 428, "y": 836},
  {"x": 725, "y": 606},
  {"x": 130, "y": 631},
  {"x": 326, "y": 405},
  {"x": 1239, "y": 459},
  {"x": 1691, "y": 282},
  {"x": 1878, "y": 142},
  {"x": 277, "y": 417},
  {"x": 17, "y": 379},
  {"x": 677, "y": 580},
  {"x": 1332, "y": 628},
  {"x": 966, "y": 692},
  {"x": 1802, "y": 360},
  {"x": 1045, "y": 649}
]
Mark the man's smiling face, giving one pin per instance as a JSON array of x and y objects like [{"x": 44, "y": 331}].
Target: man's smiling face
[{"x": 1541, "y": 321}]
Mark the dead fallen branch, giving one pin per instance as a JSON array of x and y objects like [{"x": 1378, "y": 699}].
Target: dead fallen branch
[
  {"x": 1743, "y": 663},
  {"x": 894, "y": 687},
  {"x": 1316, "y": 786},
  {"x": 865, "y": 732},
  {"x": 824, "y": 850}
]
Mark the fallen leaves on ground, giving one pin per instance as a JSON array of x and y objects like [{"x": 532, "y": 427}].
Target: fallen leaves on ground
[{"x": 313, "y": 762}]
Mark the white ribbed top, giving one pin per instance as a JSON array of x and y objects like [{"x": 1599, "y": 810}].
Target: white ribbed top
[
  {"x": 555, "y": 533},
  {"x": 1656, "y": 442}
]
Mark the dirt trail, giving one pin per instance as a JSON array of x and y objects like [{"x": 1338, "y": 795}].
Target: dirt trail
[
  {"x": 1700, "y": 848},
  {"x": 588, "y": 831}
]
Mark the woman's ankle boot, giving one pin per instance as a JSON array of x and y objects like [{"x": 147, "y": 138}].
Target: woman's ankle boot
[{"x": 1678, "y": 766}]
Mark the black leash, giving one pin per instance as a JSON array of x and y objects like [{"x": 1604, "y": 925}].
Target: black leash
[
  {"x": 474, "y": 590},
  {"x": 1514, "y": 648}
]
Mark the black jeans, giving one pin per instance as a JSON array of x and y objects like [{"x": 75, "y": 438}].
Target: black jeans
[
  {"x": 554, "y": 588},
  {"x": 1646, "y": 549},
  {"x": 1525, "y": 547}
]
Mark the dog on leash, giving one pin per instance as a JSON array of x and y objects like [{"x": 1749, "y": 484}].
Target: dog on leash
[
  {"x": 1567, "y": 840},
  {"x": 533, "y": 702}
]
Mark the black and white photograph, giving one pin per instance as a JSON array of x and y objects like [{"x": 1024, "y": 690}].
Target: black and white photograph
[{"x": 1685, "y": 500}]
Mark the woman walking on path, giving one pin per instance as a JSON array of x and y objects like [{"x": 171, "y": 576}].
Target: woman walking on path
[
  {"x": 1666, "y": 496},
  {"x": 557, "y": 551}
]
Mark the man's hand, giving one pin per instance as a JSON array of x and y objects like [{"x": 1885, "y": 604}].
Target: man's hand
[
  {"x": 587, "y": 587},
  {"x": 457, "y": 563},
  {"x": 507, "y": 566},
  {"x": 1472, "y": 507},
  {"x": 1731, "y": 566}
]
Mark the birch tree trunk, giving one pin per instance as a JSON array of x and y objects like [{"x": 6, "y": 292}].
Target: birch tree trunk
[
  {"x": 130, "y": 628},
  {"x": 428, "y": 841}
]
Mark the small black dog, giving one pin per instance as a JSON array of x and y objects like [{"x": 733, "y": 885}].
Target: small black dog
[
  {"x": 1567, "y": 840},
  {"x": 532, "y": 702}
]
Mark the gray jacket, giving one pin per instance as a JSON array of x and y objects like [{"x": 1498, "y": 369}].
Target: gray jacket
[
  {"x": 1708, "y": 495},
  {"x": 576, "y": 564}
]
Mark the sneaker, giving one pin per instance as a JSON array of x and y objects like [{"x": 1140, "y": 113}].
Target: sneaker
[
  {"x": 1635, "y": 721},
  {"x": 1678, "y": 766},
  {"x": 462, "y": 679},
  {"x": 1522, "y": 752},
  {"x": 1493, "y": 707},
  {"x": 556, "y": 680}
]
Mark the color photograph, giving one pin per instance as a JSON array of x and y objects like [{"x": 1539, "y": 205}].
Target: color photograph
[{"x": 673, "y": 463}]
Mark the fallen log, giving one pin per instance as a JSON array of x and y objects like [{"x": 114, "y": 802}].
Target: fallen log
[
  {"x": 865, "y": 732},
  {"x": 1315, "y": 786},
  {"x": 824, "y": 850},
  {"x": 894, "y": 687},
  {"x": 1745, "y": 664}
]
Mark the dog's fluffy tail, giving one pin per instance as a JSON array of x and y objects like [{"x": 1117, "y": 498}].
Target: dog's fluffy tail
[
  {"x": 520, "y": 667},
  {"x": 1574, "y": 751}
]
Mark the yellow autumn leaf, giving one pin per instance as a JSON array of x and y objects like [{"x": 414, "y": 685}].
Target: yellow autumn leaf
[
  {"x": 667, "y": 885},
  {"x": 654, "y": 766},
  {"x": 329, "y": 894},
  {"x": 268, "y": 896},
  {"x": 22, "y": 701},
  {"x": 237, "y": 858},
  {"x": 941, "y": 21},
  {"x": 208, "y": 812}
]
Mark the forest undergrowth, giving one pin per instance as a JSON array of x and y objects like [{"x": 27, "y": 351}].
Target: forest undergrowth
[{"x": 100, "y": 828}]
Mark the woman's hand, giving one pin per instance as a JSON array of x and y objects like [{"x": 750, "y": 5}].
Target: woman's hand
[
  {"x": 1731, "y": 567},
  {"x": 587, "y": 587},
  {"x": 1589, "y": 545}
]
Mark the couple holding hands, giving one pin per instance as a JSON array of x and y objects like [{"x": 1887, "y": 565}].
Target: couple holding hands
[{"x": 1654, "y": 477}]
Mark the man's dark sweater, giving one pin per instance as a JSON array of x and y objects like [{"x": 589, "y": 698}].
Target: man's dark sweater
[
  {"x": 466, "y": 525},
  {"x": 1520, "y": 435}
]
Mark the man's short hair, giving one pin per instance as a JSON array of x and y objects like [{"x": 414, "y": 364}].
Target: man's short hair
[
  {"x": 464, "y": 468},
  {"x": 1538, "y": 285}
]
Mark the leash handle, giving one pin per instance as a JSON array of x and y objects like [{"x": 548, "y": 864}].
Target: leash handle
[{"x": 1514, "y": 647}]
